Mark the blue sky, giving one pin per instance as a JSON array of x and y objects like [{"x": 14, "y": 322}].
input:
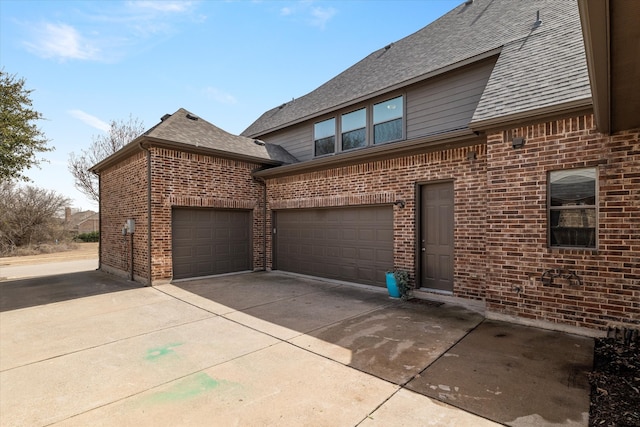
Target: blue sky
[{"x": 90, "y": 62}]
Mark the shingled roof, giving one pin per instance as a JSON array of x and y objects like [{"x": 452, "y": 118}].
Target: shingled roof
[
  {"x": 185, "y": 130},
  {"x": 548, "y": 57}
]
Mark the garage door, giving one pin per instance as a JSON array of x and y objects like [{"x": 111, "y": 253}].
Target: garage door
[
  {"x": 210, "y": 241},
  {"x": 350, "y": 244}
]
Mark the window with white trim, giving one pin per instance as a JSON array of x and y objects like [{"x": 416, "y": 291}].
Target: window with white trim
[{"x": 572, "y": 208}]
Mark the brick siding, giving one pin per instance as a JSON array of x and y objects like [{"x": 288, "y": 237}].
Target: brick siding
[
  {"x": 608, "y": 290},
  {"x": 385, "y": 181},
  {"x": 500, "y": 215},
  {"x": 123, "y": 195},
  {"x": 196, "y": 180}
]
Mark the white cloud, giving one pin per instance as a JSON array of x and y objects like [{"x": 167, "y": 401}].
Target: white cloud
[
  {"x": 316, "y": 16},
  {"x": 322, "y": 15},
  {"x": 90, "y": 120},
  {"x": 163, "y": 6},
  {"x": 108, "y": 31},
  {"x": 219, "y": 96},
  {"x": 61, "y": 41}
]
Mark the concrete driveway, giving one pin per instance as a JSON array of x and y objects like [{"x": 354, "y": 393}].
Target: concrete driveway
[{"x": 274, "y": 349}]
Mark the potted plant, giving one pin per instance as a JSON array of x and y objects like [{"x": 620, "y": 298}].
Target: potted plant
[{"x": 398, "y": 284}]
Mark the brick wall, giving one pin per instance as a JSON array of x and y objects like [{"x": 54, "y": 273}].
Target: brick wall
[
  {"x": 517, "y": 251},
  {"x": 123, "y": 195},
  {"x": 383, "y": 182},
  {"x": 500, "y": 214},
  {"x": 197, "y": 180}
]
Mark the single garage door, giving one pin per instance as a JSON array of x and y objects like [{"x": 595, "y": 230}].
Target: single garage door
[
  {"x": 350, "y": 244},
  {"x": 210, "y": 241}
]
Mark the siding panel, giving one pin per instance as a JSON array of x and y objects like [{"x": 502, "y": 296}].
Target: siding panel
[
  {"x": 297, "y": 140},
  {"x": 446, "y": 103}
]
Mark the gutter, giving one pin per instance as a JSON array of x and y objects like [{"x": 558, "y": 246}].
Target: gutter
[
  {"x": 136, "y": 145},
  {"x": 564, "y": 109}
]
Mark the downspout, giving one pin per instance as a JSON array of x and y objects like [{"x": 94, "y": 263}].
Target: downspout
[
  {"x": 264, "y": 221},
  {"x": 148, "y": 210},
  {"x": 99, "y": 221},
  {"x": 131, "y": 234}
]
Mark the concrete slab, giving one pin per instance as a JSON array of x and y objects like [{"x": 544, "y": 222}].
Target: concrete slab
[
  {"x": 28, "y": 338},
  {"x": 406, "y": 408},
  {"x": 280, "y": 385},
  {"x": 62, "y": 387},
  {"x": 298, "y": 352},
  {"x": 281, "y": 305},
  {"x": 23, "y": 293},
  {"x": 516, "y": 375},
  {"x": 394, "y": 343},
  {"x": 315, "y": 310},
  {"x": 242, "y": 291},
  {"x": 13, "y": 272}
]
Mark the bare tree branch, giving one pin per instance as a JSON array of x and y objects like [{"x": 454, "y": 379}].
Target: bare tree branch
[
  {"x": 102, "y": 146},
  {"x": 28, "y": 216}
]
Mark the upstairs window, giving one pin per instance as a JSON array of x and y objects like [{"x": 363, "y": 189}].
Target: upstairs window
[
  {"x": 387, "y": 120},
  {"x": 354, "y": 129},
  {"x": 572, "y": 208},
  {"x": 324, "y": 136}
]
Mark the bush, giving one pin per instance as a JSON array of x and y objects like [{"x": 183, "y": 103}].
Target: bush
[{"x": 93, "y": 236}]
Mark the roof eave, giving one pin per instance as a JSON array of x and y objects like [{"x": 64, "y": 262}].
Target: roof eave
[
  {"x": 124, "y": 152},
  {"x": 594, "y": 16},
  {"x": 397, "y": 86},
  {"x": 158, "y": 142},
  {"x": 569, "y": 107},
  {"x": 459, "y": 137},
  {"x": 146, "y": 141}
]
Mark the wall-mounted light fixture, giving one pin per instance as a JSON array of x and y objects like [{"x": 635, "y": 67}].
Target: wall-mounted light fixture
[
  {"x": 400, "y": 203},
  {"x": 517, "y": 142}
]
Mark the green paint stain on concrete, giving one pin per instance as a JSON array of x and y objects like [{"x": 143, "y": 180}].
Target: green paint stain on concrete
[
  {"x": 156, "y": 353},
  {"x": 187, "y": 388}
]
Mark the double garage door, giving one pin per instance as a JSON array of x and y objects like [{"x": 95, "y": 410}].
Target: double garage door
[
  {"x": 210, "y": 241},
  {"x": 350, "y": 244}
]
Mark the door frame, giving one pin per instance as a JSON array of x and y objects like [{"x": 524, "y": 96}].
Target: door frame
[{"x": 418, "y": 221}]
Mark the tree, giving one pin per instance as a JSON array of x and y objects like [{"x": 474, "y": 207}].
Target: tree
[
  {"x": 28, "y": 216},
  {"x": 120, "y": 134},
  {"x": 20, "y": 137}
]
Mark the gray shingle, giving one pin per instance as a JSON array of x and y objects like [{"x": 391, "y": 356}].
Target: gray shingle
[
  {"x": 186, "y": 128},
  {"x": 465, "y": 32}
]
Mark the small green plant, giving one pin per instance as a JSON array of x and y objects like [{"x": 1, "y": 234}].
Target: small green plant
[{"x": 402, "y": 280}]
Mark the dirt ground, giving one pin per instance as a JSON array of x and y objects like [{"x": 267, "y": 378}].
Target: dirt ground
[
  {"x": 82, "y": 251},
  {"x": 615, "y": 384}
]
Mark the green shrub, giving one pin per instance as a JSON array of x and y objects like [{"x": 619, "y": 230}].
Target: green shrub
[{"x": 93, "y": 236}]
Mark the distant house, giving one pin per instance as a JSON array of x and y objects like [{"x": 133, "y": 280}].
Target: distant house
[
  {"x": 485, "y": 154},
  {"x": 80, "y": 222}
]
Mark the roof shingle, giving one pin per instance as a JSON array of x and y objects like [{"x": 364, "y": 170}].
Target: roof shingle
[
  {"x": 186, "y": 128},
  {"x": 467, "y": 31}
]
